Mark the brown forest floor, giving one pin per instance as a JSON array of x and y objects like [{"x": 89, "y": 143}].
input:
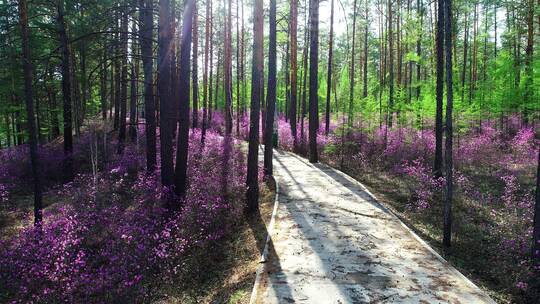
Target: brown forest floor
[{"x": 229, "y": 270}]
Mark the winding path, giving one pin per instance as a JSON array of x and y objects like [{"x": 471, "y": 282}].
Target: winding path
[{"x": 331, "y": 242}]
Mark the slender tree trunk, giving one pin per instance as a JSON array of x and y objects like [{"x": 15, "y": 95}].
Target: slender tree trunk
[
  {"x": 420, "y": 9},
  {"x": 195, "y": 75},
  {"x": 167, "y": 106},
  {"x": 390, "y": 113},
  {"x": 313, "y": 80},
  {"x": 366, "y": 46},
  {"x": 182, "y": 142},
  {"x": 437, "y": 165},
  {"x": 352, "y": 69},
  {"x": 256, "y": 78},
  {"x": 117, "y": 77},
  {"x": 238, "y": 77},
  {"x": 329, "y": 70},
  {"x": 271, "y": 94},
  {"x": 134, "y": 88},
  {"x": 227, "y": 71},
  {"x": 242, "y": 62},
  {"x": 465, "y": 49},
  {"x": 66, "y": 92},
  {"x": 55, "y": 125},
  {"x": 304, "y": 80},
  {"x": 28, "y": 93},
  {"x": 529, "y": 62},
  {"x": 146, "y": 30},
  {"x": 207, "y": 41},
  {"x": 447, "y": 226},
  {"x": 124, "y": 83},
  {"x": 293, "y": 24},
  {"x": 103, "y": 84},
  {"x": 133, "y": 103}
]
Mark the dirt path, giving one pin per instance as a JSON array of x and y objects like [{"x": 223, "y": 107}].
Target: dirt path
[{"x": 333, "y": 243}]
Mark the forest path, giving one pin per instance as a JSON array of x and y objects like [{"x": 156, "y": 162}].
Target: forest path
[{"x": 333, "y": 243}]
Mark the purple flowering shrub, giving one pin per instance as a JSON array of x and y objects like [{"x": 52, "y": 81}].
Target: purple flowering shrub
[{"x": 110, "y": 239}]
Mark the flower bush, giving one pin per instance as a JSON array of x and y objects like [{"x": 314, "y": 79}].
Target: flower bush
[{"x": 111, "y": 240}]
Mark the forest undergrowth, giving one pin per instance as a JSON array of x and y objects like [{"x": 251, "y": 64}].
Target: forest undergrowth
[{"x": 108, "y": 236}]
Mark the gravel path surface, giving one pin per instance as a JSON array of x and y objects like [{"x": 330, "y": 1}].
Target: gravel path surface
[{"x": 333, "y": 243}]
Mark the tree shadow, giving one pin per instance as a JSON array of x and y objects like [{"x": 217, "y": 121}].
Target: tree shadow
[{"x": 341, "y": 250}]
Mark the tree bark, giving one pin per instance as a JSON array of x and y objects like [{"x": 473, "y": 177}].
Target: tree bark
[
  {"x": 329, "y": 70},
  {"x": 293, "y": 24},
  {"x": 182, "y": 142},
  {"x": 124, "y": 82},
  {"x": 252, "y": 194},
  {"x": 390, "y": 111},
  {"x": 195, "y": 75},
  {"x": 66, "y": 92},
  {"x": 146, "y": 29},
  {"x": 437, "y": 165},
  {"x": 447, "y": 217},
  {"x": 28, "y": 93},
  {"x": 271, "y": 93},
  {"x": 167, "y": 106},
  {"x": 207, "y": 42},
  {"x": 352, "y": 69},
  {"x": 227, "y": 71},
  {"x": 366, "y": 46},
  {"x": 314, "y": 80}
]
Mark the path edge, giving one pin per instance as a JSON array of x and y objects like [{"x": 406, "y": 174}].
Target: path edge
[
  {"x": 264, "y": 255},
  {"x": 418, "y": 238}
]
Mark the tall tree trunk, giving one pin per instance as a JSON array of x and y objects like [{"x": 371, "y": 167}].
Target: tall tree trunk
[
  {"x": 237, "y": 68},
  {"x": 134, "y": 87},
  {"x": 329, "y": 70},
  {"x": 256, "y": 78},
  {"x": 146, "y": 29},
  {"x": 103, "y": 84},
  {"x": 133, "y": 102},
  {"x": 271, "y": 93},
  {"x": 304, "y": 78},
  {"x": 55, "y": 125},
  {"x": 227, "y": 71},
  {"x": 313, "y": 80},
  {"x": 124, "y": 82},
  {"x": 293, "y": 24},
  {"x": 182, "y": 142},
  {"x": 465, "y": 50},
  {"x": 243, "y": 63},
  {"x": 195, "y": 75},
  {"x": 474, "y": 59},
  {"x": 66, "y": 92},
  {"x": 28, "y": 93},
  {"x": 365, "y": 69},
  {"x": 390, "y": 111},
  {"x": 437, "y": 165},
  {"x": 447, "y": 225},
  {"x": 207, "y": 42},
  {"x": 117, "y": 76},
  {"x": 529, "y": 62},
  {"x": 167, "y": 106},
  {"x": 420, "y": 9},
  {"x": 351, "y": 69}
]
